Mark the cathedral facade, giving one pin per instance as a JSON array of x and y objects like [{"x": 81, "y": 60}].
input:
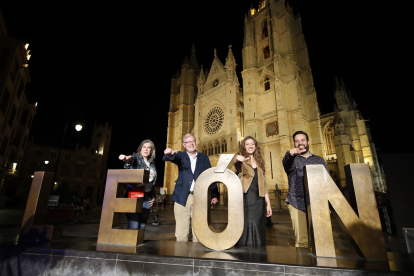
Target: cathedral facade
[{"x": 278, "y": 98}]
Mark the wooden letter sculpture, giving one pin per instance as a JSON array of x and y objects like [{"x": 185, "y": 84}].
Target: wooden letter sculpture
[
  {"x": 207, "y": 235},
  {"x": 365, "y": 229},
  {"x": 33, "y": 230},
  {"x": 112, "y": 205}
]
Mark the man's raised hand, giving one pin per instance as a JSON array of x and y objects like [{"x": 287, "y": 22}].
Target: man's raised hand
[
  {"x": 296, "y": 151},
  {"x": 170, "y": 152}
]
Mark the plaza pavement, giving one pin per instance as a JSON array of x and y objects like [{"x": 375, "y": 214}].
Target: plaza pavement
[{"x": 87, "y": 225}]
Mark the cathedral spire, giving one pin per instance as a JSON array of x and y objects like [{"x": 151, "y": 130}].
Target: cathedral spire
[
  {"x": 193, "y": 61},
  {"x": 186, "y": 64},
  {"x": 230, "y": 64},
  {"x": 350, "y": 99},
  {"x": 338, "y": 122},
  {"x": 177, "y": 74},
  {"x": 201, "y": 79},
  {"x": 202, "y": 76},
  {"x": 341, "y": 96},
  {"x": 230, "y": 56},
  {"x": 337, "y": 85}
]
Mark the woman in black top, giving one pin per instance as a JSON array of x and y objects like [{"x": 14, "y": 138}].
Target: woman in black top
[{"x": 250, "y": 168}]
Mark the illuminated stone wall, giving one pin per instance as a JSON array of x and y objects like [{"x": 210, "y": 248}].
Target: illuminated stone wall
[{"x": 278, "y": 99}]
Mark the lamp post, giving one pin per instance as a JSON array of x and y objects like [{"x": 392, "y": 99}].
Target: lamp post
[
  {"x": 78, "y": 127},
  {"x": 37, "y": 167}
]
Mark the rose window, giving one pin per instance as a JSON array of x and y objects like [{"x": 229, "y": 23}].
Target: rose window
[{"x": 214, "y": 120}]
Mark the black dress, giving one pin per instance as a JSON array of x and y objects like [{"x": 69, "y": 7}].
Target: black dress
[{"x": 254, "y": 232}]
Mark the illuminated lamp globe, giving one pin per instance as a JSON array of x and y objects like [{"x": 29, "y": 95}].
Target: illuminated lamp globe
[
  {"x": 78, "y": 127},
  {"x": 46, "y": 162}
]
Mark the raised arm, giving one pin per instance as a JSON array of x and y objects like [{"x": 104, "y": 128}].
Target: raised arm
[
  {"x": 128, "y": 160},
  {"x": 288, "y": 162},
  {"x": 171, "y": 155},
  {"x": 124, "y": 157},
  {"x": 238, "y": 161}
]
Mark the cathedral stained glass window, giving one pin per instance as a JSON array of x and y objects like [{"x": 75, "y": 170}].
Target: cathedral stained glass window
[{"x": 214, "y": 120}]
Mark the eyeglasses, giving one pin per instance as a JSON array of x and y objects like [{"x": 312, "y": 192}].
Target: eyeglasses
[{"x": 190, "y": 142}]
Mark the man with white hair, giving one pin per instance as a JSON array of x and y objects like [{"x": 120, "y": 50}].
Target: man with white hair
[{"x": 190, "y": 165}]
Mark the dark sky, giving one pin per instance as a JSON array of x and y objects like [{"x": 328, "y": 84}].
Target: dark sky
[{"x": 114, "y": 62}]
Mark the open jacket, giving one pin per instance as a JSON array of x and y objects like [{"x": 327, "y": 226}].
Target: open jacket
[
  {"x": 137, "y": 162},
  {"x": 245, "y": 172},
  {"x": 186, "y": 176}
]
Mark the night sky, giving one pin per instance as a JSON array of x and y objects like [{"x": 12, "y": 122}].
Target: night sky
[{"x": 114, "y": 62}]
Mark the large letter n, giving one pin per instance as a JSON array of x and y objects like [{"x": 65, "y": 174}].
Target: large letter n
[{"x": 365, "y": 229}]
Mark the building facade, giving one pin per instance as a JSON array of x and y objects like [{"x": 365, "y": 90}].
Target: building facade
[
  {"x": 84, "y": 168},
  {"x": 278, "y": 98},
  {"x": 16, "y": 113}
]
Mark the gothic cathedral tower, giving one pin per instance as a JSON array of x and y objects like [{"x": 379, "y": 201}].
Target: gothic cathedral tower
[
  {"x": 208, "y": 105},
  {"x": 279, "y": 95},
  {"x": 278, "y": 98},
  {"x": 181, "y": 113}
]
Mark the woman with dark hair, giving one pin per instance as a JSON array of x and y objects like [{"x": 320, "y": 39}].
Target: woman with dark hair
[
  {"x": 250, "y": 168},
  {"x": 142, "y": 159}
]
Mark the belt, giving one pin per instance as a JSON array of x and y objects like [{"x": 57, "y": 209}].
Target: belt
[{"x": 190, "y": 193}]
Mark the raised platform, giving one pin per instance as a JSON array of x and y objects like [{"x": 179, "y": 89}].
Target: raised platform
[
  {"x": 76, "y": 253},
  {"x": 85, "y": 257}
]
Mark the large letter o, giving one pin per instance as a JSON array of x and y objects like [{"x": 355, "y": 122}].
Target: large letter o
[{"x": 234, "y": 230}]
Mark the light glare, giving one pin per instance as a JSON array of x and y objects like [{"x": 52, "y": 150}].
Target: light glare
[{"x": 78, "y": 127}]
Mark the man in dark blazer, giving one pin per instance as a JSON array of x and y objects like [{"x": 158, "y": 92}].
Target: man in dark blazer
[{"x": 190, "y": 165}]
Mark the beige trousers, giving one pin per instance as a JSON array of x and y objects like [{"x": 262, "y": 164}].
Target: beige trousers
[
  {"x": 299, "y": 226},
  {"x": 182, "y": 216}
]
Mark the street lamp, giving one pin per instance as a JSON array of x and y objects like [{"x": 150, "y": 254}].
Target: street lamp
[
  {"x": 78, "y": 127},
  {"x": 46, "y": 162}
]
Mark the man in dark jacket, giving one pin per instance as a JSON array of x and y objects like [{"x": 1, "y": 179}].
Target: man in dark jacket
[
  {"x": 190, "y": 165},
  {"x": 294, "y": 162}
]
